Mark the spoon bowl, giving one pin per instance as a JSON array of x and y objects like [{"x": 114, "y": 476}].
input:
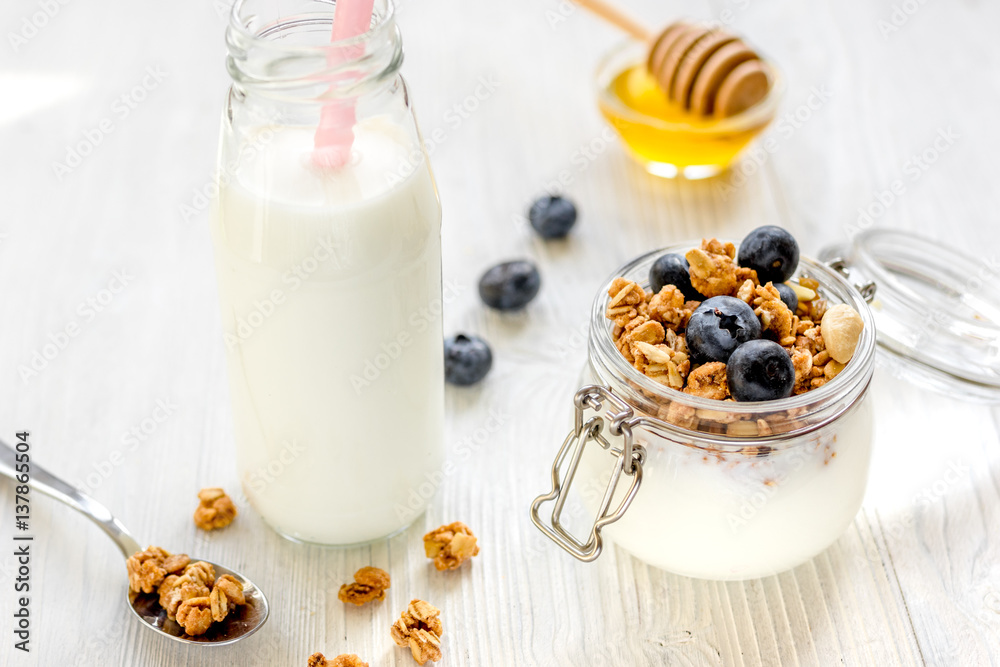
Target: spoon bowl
[{"x": 242, "y": 622}]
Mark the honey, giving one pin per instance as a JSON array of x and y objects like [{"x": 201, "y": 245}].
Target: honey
[{"x": 668, "y": 140}]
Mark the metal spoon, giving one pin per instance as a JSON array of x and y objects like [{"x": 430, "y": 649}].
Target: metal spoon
[{"x": 244, "y": 621}]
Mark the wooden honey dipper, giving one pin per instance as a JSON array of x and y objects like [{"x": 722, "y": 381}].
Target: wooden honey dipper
[{"x": 707, "y": 71}]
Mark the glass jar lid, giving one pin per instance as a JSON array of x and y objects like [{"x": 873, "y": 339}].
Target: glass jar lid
[{"x": 936, "y": 309}]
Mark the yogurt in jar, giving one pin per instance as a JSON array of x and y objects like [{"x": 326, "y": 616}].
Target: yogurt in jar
[
  {"x": 329, "y": 281},
  {"x": 733, "y": 515}
]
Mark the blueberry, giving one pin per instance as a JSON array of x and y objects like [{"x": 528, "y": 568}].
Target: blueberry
[
  {"x": 552, "y": 216},
  {"x": 510, "y": 286},
  {"x": 788, "y": 295},
  {"x": 718, "y": 326},
  {"x": 772, "y": 252},
  {"x": 467, "y": 359},
  {"x": 673, "y": 269},
  {"x": 760, "y": 370}
]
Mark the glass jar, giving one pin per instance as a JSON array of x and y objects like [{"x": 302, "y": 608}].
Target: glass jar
[
  {"x": 937, "y": 314},
  {"x": 329, "y": 277},
  {"x": 711, "y": 489}
]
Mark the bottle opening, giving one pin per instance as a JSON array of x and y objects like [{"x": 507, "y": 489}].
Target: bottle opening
[{"x": 285, "y": 48}]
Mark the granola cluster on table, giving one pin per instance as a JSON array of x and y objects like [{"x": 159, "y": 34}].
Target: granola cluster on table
[
  {"x": 450, "y": 545},
  {"x": 215, "y": 509},
  {"x": 650, "y": 328},
  {"x": 419, "y": 627},
  {"x": 370, "y": 583}
]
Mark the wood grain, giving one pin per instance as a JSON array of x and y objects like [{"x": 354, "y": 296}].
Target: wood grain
[{"x": 915, "y": 580}]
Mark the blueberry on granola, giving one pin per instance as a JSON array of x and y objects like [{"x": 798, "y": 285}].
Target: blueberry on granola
[
  {"x": 467, "y": 359},
  {"x": 788, "y": 295},
  {"x": 673, "y": 269},
  {"x": 510, "y": 285},
  {"x": 760, "y": 370},
  {"x": 772, "y": 252},
  {"x": 718, "y": 326}
]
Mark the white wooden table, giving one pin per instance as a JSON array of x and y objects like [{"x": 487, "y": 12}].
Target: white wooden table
[{"x": 915, "y": 580}]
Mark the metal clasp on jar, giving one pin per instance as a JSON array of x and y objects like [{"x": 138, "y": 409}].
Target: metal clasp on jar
[
  {"x": 867, "y": 290},
  {"x": 628, "y": 461}
]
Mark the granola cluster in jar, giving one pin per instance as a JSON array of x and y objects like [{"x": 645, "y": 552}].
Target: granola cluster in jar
[
  {"x": 650, "y": 328},
  {"x": 650, "y": 331},
  {"x": 188, "y": 591}
]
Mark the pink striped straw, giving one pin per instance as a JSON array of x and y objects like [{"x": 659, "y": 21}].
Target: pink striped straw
[{"x": 335, "y": 135}]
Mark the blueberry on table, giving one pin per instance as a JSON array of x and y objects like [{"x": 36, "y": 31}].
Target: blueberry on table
[
  {"x": 718, "y": 326},
  {"x": 510, "y": 285},
  {"x": 673, "y": 269},
  {"x": 760, "y": 370},
  {"x": 788, "y": 295},
  {"x": 770, "y": 251},
  {"x": 467, "y": 359},
  {"x": 552, "y": 216}
]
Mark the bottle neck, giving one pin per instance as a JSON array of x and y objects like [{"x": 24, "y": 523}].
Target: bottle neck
[{"x": 285, "y": 53}]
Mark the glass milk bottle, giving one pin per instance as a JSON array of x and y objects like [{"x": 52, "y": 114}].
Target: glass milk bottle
[{"x": 326, "y": 273}]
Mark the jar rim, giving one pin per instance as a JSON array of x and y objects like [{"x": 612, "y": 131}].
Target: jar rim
[
  {"x": 380, "y": 22},
  {"x": 289, "y": 54},
  {"x": 819, "y": 405}
]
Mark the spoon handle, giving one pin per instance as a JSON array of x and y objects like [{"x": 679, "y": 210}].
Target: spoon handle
[{"x": 44, "y": 481}]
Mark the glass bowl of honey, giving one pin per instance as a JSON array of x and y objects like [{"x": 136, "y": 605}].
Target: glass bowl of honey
[{"x": 664, "y": 138}]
